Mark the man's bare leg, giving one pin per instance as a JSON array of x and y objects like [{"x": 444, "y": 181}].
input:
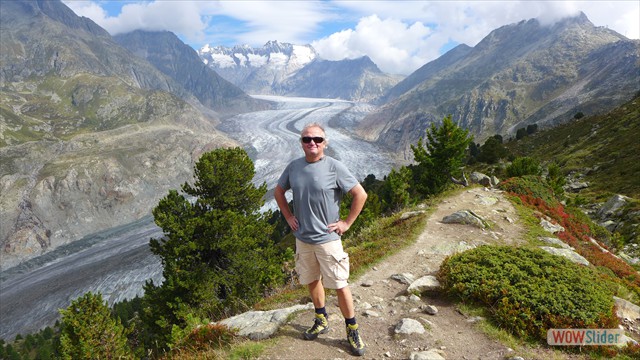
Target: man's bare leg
[
  {"x": 345, "y": 301},
  {"x": 316, "y": 291}
]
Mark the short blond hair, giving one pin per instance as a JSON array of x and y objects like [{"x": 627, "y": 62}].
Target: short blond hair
[{"x": 314, "y": 125}]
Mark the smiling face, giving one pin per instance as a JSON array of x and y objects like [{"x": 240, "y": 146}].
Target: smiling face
[{"x": 313, "y": 151}]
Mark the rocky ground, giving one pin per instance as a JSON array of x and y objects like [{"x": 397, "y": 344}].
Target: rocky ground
[{"x": 382, "y": 301}]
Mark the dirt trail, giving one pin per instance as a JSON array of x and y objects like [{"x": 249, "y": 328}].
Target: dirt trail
[{"x": 450, "y": 332}]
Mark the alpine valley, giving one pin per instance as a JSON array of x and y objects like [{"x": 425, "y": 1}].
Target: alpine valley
[{"x": 95, "y": 129}]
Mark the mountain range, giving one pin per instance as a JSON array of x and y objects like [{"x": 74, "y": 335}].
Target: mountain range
[
  {"x": 94, "y": 129},
  {"x": 91, "y": 135},
  {"x": 297, "y": 70},
  {"x": 519, "y": 74}
]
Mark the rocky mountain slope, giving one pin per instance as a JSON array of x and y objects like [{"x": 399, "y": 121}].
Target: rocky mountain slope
[
  {"x": 182, "y": 64},
  {"x": 519, "y": 74},
  {"x": 358, "y": 79},
  {"x": 296, "y": 70},
  {"x": 90, "y": 136}
]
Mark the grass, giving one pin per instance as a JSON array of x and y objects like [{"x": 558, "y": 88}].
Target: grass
[{"x": 606, "y": 144}]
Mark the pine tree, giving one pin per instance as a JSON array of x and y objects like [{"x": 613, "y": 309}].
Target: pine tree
[
  {"x": 90, "y": 332},
  {"x": 395, "y": 190},
  {"x": 492, "y": 150},
  {"x": 441, "y": 157},
  {"x": 217, "y": 254}
]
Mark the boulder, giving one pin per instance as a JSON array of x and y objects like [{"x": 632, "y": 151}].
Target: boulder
[
  {"x": 480, "y": 178},
  {"x": 259, "y": 325},
  {"x": 626, "y": 309},
  {"x": 576, "y": 186},
  {"x": 409, "y": 326},
  {"x": 465, "y": 217},
  {"x": 550, "y": 227},
  {"x": 404, "y": 278},
  {"x": 567, "y": 253},
  {"x": 613, "y": 205},
  {"x": 425, "y": 283},
  {"x": 555, "y": 241}
]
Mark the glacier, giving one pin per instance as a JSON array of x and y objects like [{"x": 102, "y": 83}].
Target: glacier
[{"x": 117, "y": 262}]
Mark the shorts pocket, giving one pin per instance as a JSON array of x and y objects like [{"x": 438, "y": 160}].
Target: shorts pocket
[
  {"x": 340, "y": 266},
  {"x": 307, "y": 267}
]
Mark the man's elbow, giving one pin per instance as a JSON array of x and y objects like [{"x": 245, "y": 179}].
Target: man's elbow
[{"x": 360, "y": 193}]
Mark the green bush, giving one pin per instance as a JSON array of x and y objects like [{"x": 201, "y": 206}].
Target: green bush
[
  {"x": 524, "y": 166},
  {"x": 529, "y": 291}
]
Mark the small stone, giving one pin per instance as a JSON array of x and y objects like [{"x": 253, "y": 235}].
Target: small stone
[
  {"x": 409, "y": 326},
  {"x": 404, "y": 278},
  {"x": 367, "y": 283},
  {"x": 414, "y": 298},
  {"x": 431, "y": 310},
  {"x": 387, "y": 354},
  {"x": 426, "y": 355},
  {"x": 425, "y": 283},
  {"x": 371, "y": 313}
]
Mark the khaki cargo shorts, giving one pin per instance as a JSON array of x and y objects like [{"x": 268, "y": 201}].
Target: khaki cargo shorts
[{"x": 327, "y": 262}]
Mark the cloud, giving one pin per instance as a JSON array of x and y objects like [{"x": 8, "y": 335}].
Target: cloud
[
  {"x": 399, "y": 36},
  {"x": 181, "y": 17},
  {"x": 389, "y": 43},
  {"x": 285, "y": 21},
  {"x": 244, "y": 22},
  {"x": 404, "y": 35}
]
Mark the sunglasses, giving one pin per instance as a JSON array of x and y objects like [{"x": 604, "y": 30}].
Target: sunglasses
[{"x": 316, "y": 139}]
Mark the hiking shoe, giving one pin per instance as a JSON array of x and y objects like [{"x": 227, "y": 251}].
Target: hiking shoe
[
  {"x": 320, "y": 326},
  {"x": 355, "y": 343}
]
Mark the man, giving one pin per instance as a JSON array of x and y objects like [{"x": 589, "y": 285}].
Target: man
[{"x": 318, "y": 182}]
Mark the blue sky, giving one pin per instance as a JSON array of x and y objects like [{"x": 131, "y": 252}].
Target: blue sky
[{"x": 399, "y": 36}]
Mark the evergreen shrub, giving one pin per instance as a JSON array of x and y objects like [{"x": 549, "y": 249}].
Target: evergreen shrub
[
  {"x": 529, "y": 291},
  {"x": 524, "y": 166}
]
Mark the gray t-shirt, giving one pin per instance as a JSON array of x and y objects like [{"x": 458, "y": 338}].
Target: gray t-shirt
[{"x": 317, "y": 190}]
